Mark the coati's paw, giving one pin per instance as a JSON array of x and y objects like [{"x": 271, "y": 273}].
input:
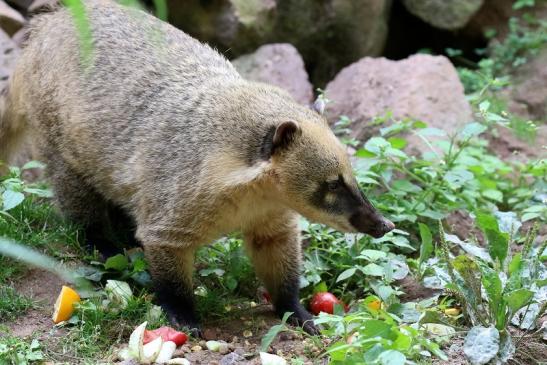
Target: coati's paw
[
  {"x": 302, "y": 318},
  {"x": 183, "y": 321}
]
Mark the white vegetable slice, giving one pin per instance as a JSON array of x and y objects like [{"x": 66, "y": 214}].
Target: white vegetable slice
[
  {"x": 124, "y": 354},
  {"x": 166, "y": 353},
  {"x": 151, "y": 351},
  {"x": 178, "y": 361},
  {"x": 271, "y": 359},
  {"x": 135, "y": 342}
]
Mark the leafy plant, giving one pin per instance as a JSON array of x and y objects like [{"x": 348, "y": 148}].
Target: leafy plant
[
  {"x": 130, "y": 266},
  {"x": 13, "y": 188},
  {"x": 14, "y": 351},
  {"x": 370, "y": 336},
  {"x": 509, "y": 280}
]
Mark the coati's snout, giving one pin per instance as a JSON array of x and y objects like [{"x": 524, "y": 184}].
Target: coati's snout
[{"x": 370, "y": 221}]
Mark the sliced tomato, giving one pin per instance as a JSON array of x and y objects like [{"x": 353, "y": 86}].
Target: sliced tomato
[{"x": 167, "y": 334}]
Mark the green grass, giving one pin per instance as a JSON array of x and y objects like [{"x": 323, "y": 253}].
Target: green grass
[
  {"x": 12, "y": 304},
  {"x": 36, "y": 223}
]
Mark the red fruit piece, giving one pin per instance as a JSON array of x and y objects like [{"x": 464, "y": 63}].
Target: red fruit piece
[
  {"x": 167, "y": 334},
  {"x": 324, "y": 302}
]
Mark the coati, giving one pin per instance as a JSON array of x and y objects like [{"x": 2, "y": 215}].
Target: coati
[{"x": 163, "y": 129}]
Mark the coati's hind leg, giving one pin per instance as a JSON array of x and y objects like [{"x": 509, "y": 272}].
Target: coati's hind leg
[
  {"x": 274, "y": 249},
  {"x": 171, "y": 268},
  {"x": 80, "y": 203}
]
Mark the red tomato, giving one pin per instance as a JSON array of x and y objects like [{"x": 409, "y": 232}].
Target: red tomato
[
  {"x": 324, "y": 302},
  {"x": 167, "y": 334}
]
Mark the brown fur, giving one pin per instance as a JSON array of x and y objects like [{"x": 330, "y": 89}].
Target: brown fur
[{"x": 165, "y": 130}]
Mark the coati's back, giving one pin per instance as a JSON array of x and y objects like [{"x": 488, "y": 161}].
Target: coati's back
[{"x": 149, "y": 85}]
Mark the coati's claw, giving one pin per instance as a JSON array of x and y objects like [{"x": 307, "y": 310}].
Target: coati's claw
[
  {"x": 184, "y": 322},
  {"x": 302, "y": 318}
]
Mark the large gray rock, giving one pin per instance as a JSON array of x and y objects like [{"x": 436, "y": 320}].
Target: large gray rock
[
  {"x": 10, "y": 20},
  {"x": 444, "y": 14},
  {"x": 423, "y": 87},
  {"x": 329, "y": 34},
  {"x": 280, "y": 65},
  {"x": 529, "y": 87}
]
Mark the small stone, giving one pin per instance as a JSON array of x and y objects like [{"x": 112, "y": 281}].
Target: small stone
[
  {"x": 181, "y": 351},
  {"x": 252, "y": 304},
  {"x": 196, "y": 348},
  {"x": 231, "y": 358},
  {"x": 247, "y": 334}
]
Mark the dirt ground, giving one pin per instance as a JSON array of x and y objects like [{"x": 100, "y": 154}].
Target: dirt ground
[{"x": 243, "y": 332}]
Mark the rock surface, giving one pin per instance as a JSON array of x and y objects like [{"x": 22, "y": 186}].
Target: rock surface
[
  {"x": 280, "y": 65},
  {"x": 495, "y": 15},
  {"x": 329, "y": 34},
  {"x": 422, "y": 87},
  {"x": 530, "y": 86},
  {"x": 10, "y": 20},
  {"x": 444, "y": 14}
]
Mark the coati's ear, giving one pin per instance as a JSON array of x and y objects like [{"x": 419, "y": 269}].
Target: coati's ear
[
  {"x": 284, "y": 134},
  {"x": 279, "y": 137}
]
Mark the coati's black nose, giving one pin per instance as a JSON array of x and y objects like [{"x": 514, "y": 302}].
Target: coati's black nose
[
  {"x": 387, "y": 226},
  {"x": 374, "y": 225}
]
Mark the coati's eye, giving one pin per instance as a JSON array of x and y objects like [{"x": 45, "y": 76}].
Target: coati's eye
[{"x": 333, "y": 185}]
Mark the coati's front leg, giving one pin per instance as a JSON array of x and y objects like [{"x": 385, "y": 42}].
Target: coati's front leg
[
  {"x": 171, "y": 268},
  {"x": 276, "y": 255}
]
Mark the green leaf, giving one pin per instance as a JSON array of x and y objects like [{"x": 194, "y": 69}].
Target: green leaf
[
  {"x": 11, "y": 199},
  {"x": 402, "y": 343},
  {"x": 346, "y": 274},
  {"x": 493, "y": 287},
  {"x": 432, "y": 214},
  {"x": 392, "y": 357},
  {"x": 518, "y": 298},
  {"x": 273, "y": 332},
  {"x": 493, "y": 194},
  {"x": 471, "y": 274},
  {"x": 481, "y": 345},
  {"x": 405, "y": 185},
  {"x": 376, "y": 328},
  {"x": 373, "y": 255},
  {"x": 373, "y": 269},
  {"x": 118, "y": 262},
  {"x": 472, "y": 130},
  {"x": 42, "y": 193},
  {"x": 398, "y": 143},
  {"x": 426, "y": 249},
  {"x": 377, "y": 145},
  {"x": 33, "y": 165},
  {"x": 320, "y": 288},
  {"x": 364, "y": 153},
  {"x": 498, "y": 242},
  {"x": 515, "y": 264}
]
